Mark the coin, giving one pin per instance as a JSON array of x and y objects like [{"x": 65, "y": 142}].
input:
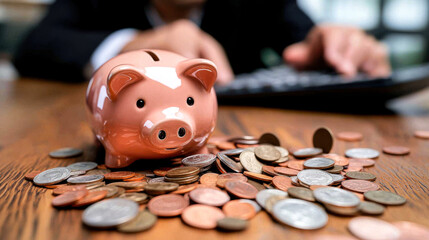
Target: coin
[
  {"x": 298, "y": 165},
  {"x": 336, "y": 196},
  {"x": 385, "y": 198},
  {"x": 168, "y": 205},
  {"x": 156, "y": 180},
  {"x": 269, "y": 170},
  {"x": 129, "y": 185},
  {"x": 263, "y": 195},
  {"x": 364, "y": 162},
  {"x": 286, "y": 171},
  {"x": 66, "y": 153},
  {"x": 257, "y": 176},
  {"x": 250, "y": 163},
  {"x": 68, "y": 188},
  {"x": 241, "y": 189},
  {"x": 160, "y": 188},
  {"x": 136, "y": 197},
  {"x": 161, "y": 171},
  {"x": 422, "y": 134},
  {"x": 337, "y": 178},
  {"x": 396, "y": 150},
  {"x": 301, "y": 193},
  {"x": 307, "y": 152},
  {"x": 360, "y": 186},
  {"x": 319, "y": 163},
  {"x": 269, "y": 138},
  {"x": 199, "y": 160},
  {"x": 371, "y": 208},
  {"x": 267, "y": 153},
  {"x": 182, "y": 172},
  {"x": 222, "y": 179},
  {"x": 322, "y": 138},
  {"x": 411, "y": 231},
  {"x": 362, "y": 153},
  {"x": 209, "y": 179},
  {"x": 120, "y": 175},
  {"x": 94, "y": 185},
  {"x": 97, "y": 172},
  {"x": 51, "y": 176},
  {"x": 361, "y": 176},
  {"x": 233, "y": 152},
  {"x": 271, "y": 201},
  {"x": 350, "y": 136},
  {"x": 281, "y": 182},
  {"x": 237, "y": 209},
  {"x": 232, "y": 224},
  {"x": 372, "y": 228},
  {"x": 68, "y": 198},
  {"x": 231, "y": 164},
  {"x": 300, "y": 214},
  {"x": 335, "y": 169},
  {"x": 111, "y": 190},
  {"x": 30, "y": 176},
  {"x": 137, "y": 177},
  {"x": 82, "y": 166},
  {"x": 182, "y": 180},
  {"x": 143, "y": 221},
  {"x": 202, "y": 216},
  {"x": 314, "y": 177},
  {"x": 253, "y": 203},
  {"x": 90, "y": 198},
  {"x": 209, "y": 196},
  {"x": 339, "y": 160},
  {"x": 225, "y": 145},
  {"x": 85, "y": 179},
  {"x": 110, "y": 213}
]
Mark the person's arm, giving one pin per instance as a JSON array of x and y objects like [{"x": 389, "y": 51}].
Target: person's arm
[{"x": 62, "y": 44}]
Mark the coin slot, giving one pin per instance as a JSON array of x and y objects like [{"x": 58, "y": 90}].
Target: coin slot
[{"x": 153, "y": 55}]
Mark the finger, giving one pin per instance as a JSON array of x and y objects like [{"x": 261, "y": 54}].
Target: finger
[
  {"x": 355, "y": 51},
  {"x": 334, "y": 43},
  {"x": 209, "y": 48},
  {"x": 378, "y": 64},
  {"x": 298, "y": 54}
]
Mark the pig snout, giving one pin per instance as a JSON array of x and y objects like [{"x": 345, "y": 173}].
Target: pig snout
[{"x": 171, "y": 134}]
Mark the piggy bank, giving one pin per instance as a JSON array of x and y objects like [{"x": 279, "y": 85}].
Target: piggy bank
[{"x": 152, "y": 104}]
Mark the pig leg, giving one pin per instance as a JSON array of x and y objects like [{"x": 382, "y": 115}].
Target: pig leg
[{"x": 117, "y": 161}]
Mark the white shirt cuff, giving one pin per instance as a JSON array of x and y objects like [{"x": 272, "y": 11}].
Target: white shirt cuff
[{"x": 111, "y": 46}]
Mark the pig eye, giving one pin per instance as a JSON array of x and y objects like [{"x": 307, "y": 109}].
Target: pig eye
[
  {"x": 190, "y": 101},
  {"x": 140, "y": 103}
]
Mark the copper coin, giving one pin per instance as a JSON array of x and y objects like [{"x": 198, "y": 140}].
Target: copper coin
[
  {"x": 182, "y": 172},
  {"x": 307, "y": 152},
  {"x": 298, "y": 165},
  {"x": 283, "y": 183},
  {"x": 209, "y": 179},
  {"x": 119, "y": 175},
  {"x": 257, "y": 176},
  {"x": 323, "y": 139},
  {"x": 129, "y": 185},
  {"x": 137, "y": 177},
  {"x": 209, "y": 196},
  {"x": 237, "y": 209},
  {"x": 364, "y": 162},
  {"x": 396, "y": 150},
  {"x": 314, "y": 187},
  {"x": 360, "y": 186},
  {"x": 68, "y": 198},
  {"x": 283, "y": 164},
  {"x": 225, "y": 145},
  {"x": 286, "y": 171},
  {"x": 269, "y": 170},
  {"x": 90, "y": 198},
  {"x": 350, "y": 136},
  {"x": 219, "y": 166},
  {"x": 185, "y": 188},
  {"x": 168, "y": 205},
  {"x": 412, "y": 231},
  {"x": 68, "y": 188},
  {"x": 269, "y": 138},
  {"x": 29, "y": 176},
  {"x": 112, "y": 191},
  {"x": 353, "y": 168},
  {"x": 55, "y": 186},
  {"x": 339, "y": 160},
  {"x": 241, "y": 189},
  {"x": 372, "y": 228},
  {"x": 257, "y": 185},
  {"x": 223, "y": 178},
  {"x": 183, "y": 180},
  {"x": 161, "y": 171},
  {"x": 422, "y": 134},
  {"x": 361, "y": 175},
  {"x": 159, "y": 188},
  {"x": 202, "y": 216}
]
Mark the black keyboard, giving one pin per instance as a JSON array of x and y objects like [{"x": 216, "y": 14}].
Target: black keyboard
[{"x": 284, "y": 83}]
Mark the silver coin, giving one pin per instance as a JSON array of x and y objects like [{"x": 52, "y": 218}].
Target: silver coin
[
  {"x": 314, "y": 177},
  {"x": 250, "y": 163},
  {"x": 52, "y": 176},
  {"x": 110, "y": 213},
  {"x": 307, "y": 152},
  {"x": 85, "y": 179},
  {"x": 233, "y": 152},
  {"x": 77, "y": 173},
  {"x": 199, "y": 160},
  {"x": 362, "y": 153},
  {"x": 156, "y": 180},
  {"x": 65, "y": 153},
  {"x": 236, "y": 167},
  {"x": 300, "y": 214},
  {"x": 253, "y": 203},
  {"x": 295, "y": 181},
  {"x": 264, "y": 195},
  {"x": 82, "y": 166},
  {"x": 336, "y": 196},
  {"x": 336, "y": 177},
  {"x": 319, "y": 163}
]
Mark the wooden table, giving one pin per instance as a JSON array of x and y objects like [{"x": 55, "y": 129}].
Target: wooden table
[{"x": 38, "y": 116}]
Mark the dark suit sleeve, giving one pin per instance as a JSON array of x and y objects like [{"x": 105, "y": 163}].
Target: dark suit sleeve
[{"x": 60, "y": 46}]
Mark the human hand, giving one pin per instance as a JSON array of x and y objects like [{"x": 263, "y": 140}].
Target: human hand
[
  {"x": 185, "y": 38},
  {"x": 346, "y": 49}
]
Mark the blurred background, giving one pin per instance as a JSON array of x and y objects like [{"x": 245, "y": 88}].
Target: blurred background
[{"x": 402, "y": 24}]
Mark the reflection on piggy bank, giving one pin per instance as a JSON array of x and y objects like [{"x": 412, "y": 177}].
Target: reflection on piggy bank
[{"x": 152, "y": 104}]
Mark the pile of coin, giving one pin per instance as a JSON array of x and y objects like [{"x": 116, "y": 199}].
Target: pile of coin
[{"x": 228, "y": 187}]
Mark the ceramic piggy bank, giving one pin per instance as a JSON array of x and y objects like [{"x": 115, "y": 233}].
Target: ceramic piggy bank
[{"x": 152, "y": 104}]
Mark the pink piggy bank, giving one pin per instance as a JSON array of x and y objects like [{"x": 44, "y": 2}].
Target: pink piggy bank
[{"x": 152, "y": 104}]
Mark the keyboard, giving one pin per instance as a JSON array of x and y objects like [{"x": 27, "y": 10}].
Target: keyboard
[{"x": 284, "y": 83}]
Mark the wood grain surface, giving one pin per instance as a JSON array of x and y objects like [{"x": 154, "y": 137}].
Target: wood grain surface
[{"x": 38, "y": 116}]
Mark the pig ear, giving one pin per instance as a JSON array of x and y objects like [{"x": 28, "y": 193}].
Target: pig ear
[
  {"x": 120, "y": 77},
  {"x": 200, "y": 69}
]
